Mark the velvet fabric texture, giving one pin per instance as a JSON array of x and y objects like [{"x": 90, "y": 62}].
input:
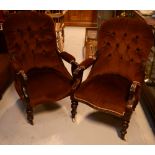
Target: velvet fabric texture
[
  {"x": 123, "y": 48},
  {"x": 6, "y": 76},
  {"x": 31, "y": 42}
]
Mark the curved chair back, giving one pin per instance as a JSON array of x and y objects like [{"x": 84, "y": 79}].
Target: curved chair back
[
  {"x": 123, "y": 48},
  {"x": 31, "y": 41}
]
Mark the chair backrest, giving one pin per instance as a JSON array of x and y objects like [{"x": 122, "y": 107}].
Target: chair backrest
[
  {"x": 123, "y": 48},
  {"x": 31, "y": 40}
]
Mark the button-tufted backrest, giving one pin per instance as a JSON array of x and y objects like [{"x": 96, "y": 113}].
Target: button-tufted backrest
[
  {"x": 31, "y": 40},
  {"x": 123, "y": 48}
]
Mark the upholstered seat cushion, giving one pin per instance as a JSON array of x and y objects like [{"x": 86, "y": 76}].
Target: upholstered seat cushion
[
  {"x": 46, "y": 85},
  {"x": 111, "y": 92},
  {"x": 5, "y": 72}
]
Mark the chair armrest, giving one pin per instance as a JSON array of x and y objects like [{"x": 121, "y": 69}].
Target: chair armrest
[
  {"x": 67, "y": 57},
  {"x": 84, "y": 65},
  {"x": 131, "y": 103},
  {"x": 70, "y": 59},
  {"x": 78, "y": 72},
  {"x": 134, "y": 88},
  {"x": 87, "y": 63}
]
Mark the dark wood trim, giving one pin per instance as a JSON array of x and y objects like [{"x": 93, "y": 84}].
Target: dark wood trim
[{"x": 81, "y": 24}]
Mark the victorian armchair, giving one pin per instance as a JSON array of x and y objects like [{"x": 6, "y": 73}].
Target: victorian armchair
[
  {"x": 114, "y": 82},
  {"x": 40, "y": 75}
]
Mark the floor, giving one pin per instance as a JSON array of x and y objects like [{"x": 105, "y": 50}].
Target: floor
[{"x": 52, "y": 123}]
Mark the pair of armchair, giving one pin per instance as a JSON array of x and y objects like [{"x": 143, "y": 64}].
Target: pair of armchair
[{"x": 114, "y": 82}]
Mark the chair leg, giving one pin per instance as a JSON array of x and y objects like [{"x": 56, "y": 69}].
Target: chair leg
[
  {"x": 29, "y": 111},
  {"x": 125, "y": 123},
  {"x": 74, "y": 109}
]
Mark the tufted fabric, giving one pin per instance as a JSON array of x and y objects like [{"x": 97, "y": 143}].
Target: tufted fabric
[
  {"x": 123, "y": 48},
  {"x": 31, "y": 42},
  {"x": 6, "y": 75}
]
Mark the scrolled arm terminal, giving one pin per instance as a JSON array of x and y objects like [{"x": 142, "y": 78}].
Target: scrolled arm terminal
[{"x": 23, "y": 74}]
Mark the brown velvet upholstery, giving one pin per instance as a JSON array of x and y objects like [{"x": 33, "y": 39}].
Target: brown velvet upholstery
[
  {"x": 31, "y": 42},
  {"x": 107, "y": 92},
  {"x": 6, "y": 76},
  {"x": 113, "y": 83}
]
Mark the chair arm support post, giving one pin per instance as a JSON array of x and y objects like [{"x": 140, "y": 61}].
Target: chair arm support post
[
  {"x": 74, "y": 66},
  {"x": 130, "y": 107},
  {"x": 67, "y": 57},
  {"x": 70, "y": 59},
  {"x": 23, "y": 79},
  {"x": 133, "y": 95},
  {"x": 78, "y": 72},
  {"x": 87, "y": 63},
  {"x": 84, "y": 65}
]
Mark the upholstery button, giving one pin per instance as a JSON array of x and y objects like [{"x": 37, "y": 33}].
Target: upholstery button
[
  {"x": 113, "y": 33},
  {"x": 32, "y": 51},
  {"x": 44, "y": 52},
  {"x": 121, "y": 58},
  {"x": 131, "y": 60},
  {"x": 128, "y": 47},
  {"x": 17, "y": 46},
  {"x": 117, "y": 45},
  {"x": 29, "y": 28},
  {"x": 137, "y": 50},
  {"x": 18, "y": 30},
  {"x": 109, "y": 55},
  {"x": 125, "y": 34},
  {"x": 108, "y": 43}
]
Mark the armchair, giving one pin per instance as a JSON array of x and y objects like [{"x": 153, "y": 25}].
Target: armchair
[
  {"x": 114, "y": 82},
  {"x": 40, "y": 75}
]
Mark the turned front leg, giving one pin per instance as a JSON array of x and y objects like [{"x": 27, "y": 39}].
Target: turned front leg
[
  {"x": 126, "y": 120},
  {"x": 74, "y": 109}
]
